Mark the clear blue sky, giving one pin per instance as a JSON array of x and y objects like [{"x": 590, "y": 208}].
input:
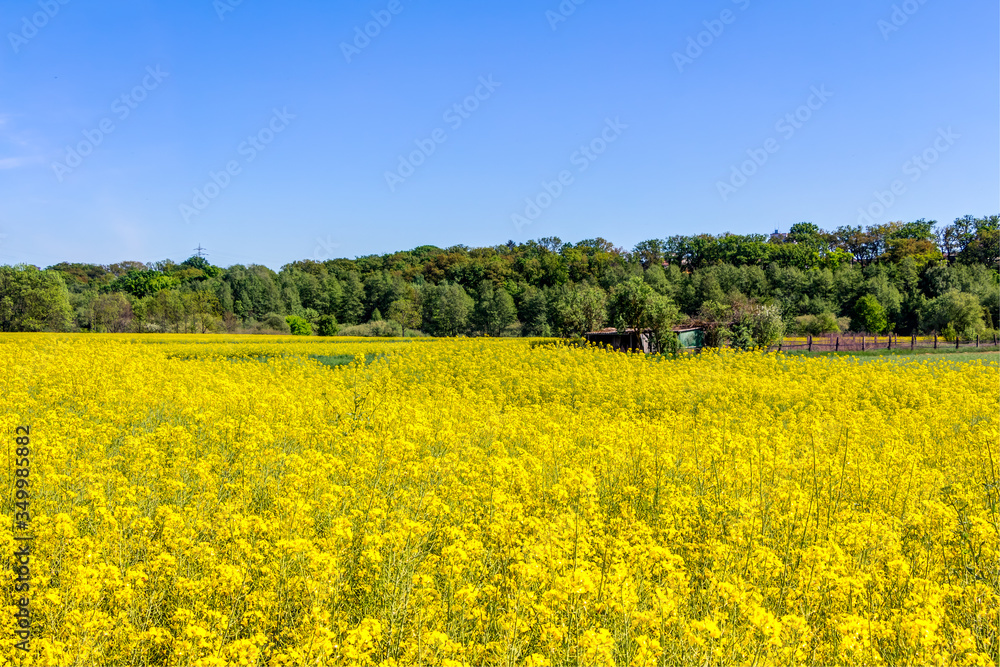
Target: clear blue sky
[{"x": 319, "y": 188}]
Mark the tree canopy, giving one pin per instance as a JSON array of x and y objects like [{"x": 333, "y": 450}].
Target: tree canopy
[{"x": 915, "y": 276}]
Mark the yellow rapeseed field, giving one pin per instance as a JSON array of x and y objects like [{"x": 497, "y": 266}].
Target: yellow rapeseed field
[{"x": 218, "y": 500}]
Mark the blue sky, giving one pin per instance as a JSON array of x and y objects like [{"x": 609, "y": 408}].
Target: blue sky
[{"x": 265, "y": 131}]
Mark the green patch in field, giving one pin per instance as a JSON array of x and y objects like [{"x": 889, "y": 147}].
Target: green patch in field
[
  {"x": 330, "y": 361},
  {"x": 336, "y": 360}
]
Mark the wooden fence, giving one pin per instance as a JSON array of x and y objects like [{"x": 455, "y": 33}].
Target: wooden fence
[{"x": 858, "y": 343}]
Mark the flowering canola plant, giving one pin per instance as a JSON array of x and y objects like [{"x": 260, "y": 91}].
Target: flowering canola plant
[{"x": 211, "y": 500}]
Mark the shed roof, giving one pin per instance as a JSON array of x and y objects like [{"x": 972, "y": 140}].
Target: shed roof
[{"x": 611, "y": 330}]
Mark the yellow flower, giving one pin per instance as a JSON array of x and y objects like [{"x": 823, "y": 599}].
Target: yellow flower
[{"x": 229, "y": 500}]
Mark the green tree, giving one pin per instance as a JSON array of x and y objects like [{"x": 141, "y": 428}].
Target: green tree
[
  {"x": 33, "y": 300},
  {"x": 960, "y": 310},
  {"x": 869, "y": 315},
  {"x": 202, "y": 264},
  {"x": 534, "y": 313},
  {"x": 494, "y": 310},
  {"x": 352, "y": 303},
  {"x": 629, "y": 304},
  {"x": 111, "y": 313},
  {"x": 202, "y": 308},
  {"x": 649, "y": 253},
  {"x": 633, "y": 305},
  {"x": 406, "y": 312},
  {"x": 141, "y": 283},
  {"x": 577, "y": 309},
  {"x": 165, "y": 310},
  {"x": 447, "y": 308},
  {"x": 663, "y": 317},
  {"x": 984, "y": 246},
  {"x": 254, "y": 290}
]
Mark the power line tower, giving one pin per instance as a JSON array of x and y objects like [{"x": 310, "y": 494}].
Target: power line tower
[{"x": 200, "y": 252}]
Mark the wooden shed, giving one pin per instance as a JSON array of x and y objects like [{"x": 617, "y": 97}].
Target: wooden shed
[
  {"x": 692, "y": 338},
  {"x": 623, "y": 340}
]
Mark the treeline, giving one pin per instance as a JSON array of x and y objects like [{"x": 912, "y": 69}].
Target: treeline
[{"x": 916, "y": 277}]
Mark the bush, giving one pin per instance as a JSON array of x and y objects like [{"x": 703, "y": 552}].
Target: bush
[
  {"x": 817, "y": 325},
  {"x": 757, "y": 326},
  {"x": 958, "y": 310},
  {"x": 299, "y": 326},
  {"x": 380, "y": 329},
  {"x": 666, "y": 343},
  {"x": 274, "y": 323},
  {"x": 327, "y": 325}
]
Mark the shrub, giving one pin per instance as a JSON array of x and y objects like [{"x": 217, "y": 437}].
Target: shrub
[
  {"x": 757, "y": 326},
  {"x": 817, "y": 325},
  {"x": 299, "y": 326},
  {"x": 327, "y": 325},
  {"x": 275, "y": 323},
  {"x": 959, "y": 310},
  {"x": 379, "y": 329}
]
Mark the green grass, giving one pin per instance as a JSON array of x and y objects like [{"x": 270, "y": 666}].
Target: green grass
[
  {"x": 338, "y": 360},
  {"x": 330, "y": 361}
]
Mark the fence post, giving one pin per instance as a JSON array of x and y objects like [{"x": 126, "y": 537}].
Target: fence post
[
  {"x": 957, "y": 340},
  {"x": 889, "y": 346},
  {"x": 935, "y": 341},
  {"x": 862, "y": 343},
  {"x": 838, "y": 344},
  {"x": 913, "y": 341},
  {"x": 977, "y": 340},
  {"x": 810, "y": 343}
]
